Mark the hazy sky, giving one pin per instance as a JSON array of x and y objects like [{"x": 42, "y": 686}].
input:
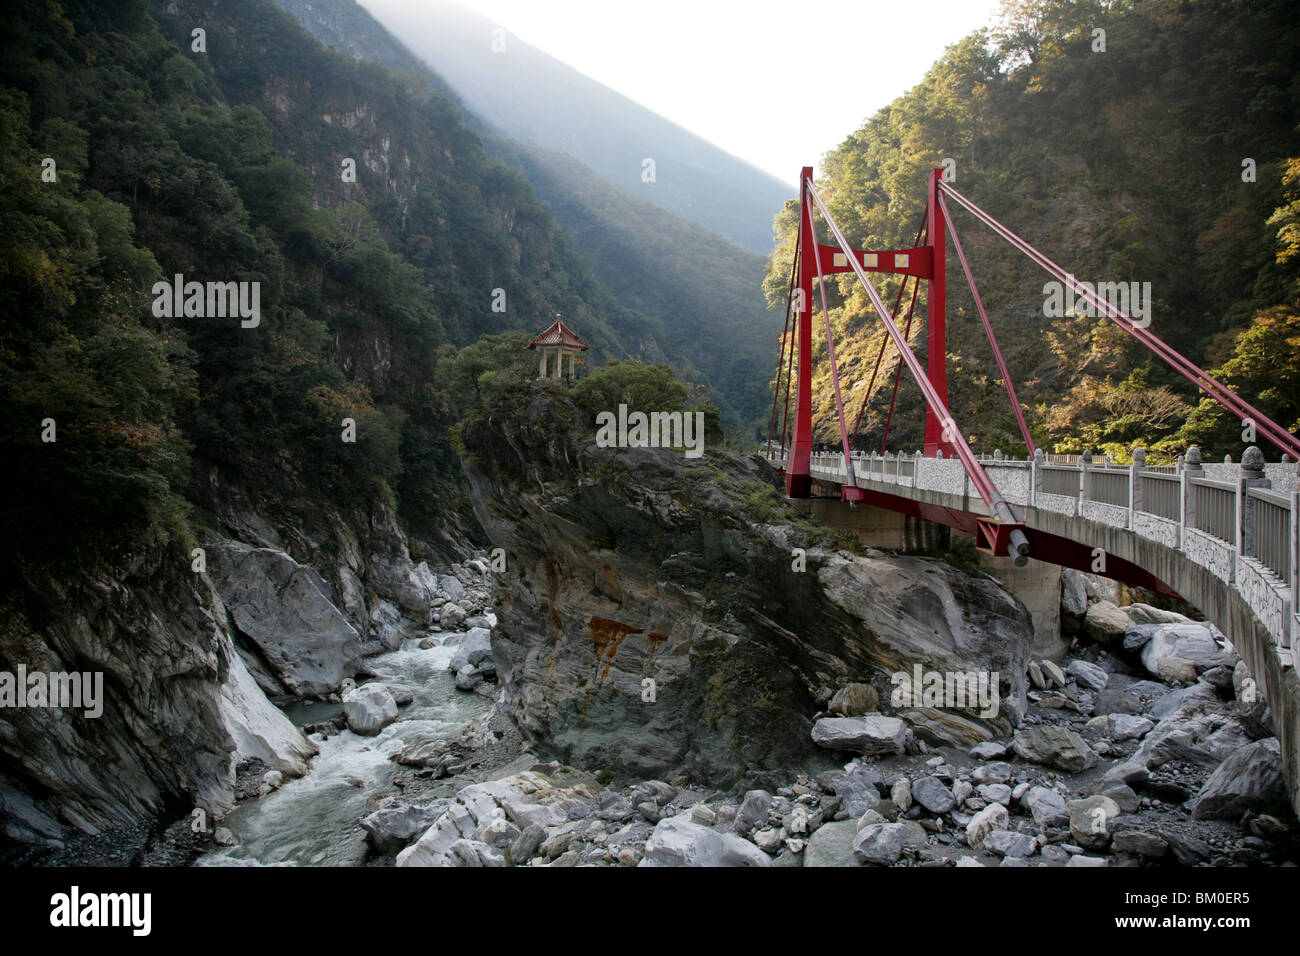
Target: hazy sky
[{"x": 860, "y": 53}]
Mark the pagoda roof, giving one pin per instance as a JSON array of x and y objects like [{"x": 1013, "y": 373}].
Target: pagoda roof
[{"x": 558, "y": 334}]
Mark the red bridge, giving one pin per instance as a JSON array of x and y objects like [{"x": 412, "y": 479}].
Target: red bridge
[{"x": 1223, "y": 536}]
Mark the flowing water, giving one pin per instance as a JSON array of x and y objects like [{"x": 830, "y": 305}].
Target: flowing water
[{"x": 315, "y": 820}]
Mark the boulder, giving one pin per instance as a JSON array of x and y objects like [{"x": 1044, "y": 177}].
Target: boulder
[
  {"x": 995, "y": 793},
  {"x": 1140, "y": 843},
  {"x": 1176, "y": 670},
  {"x": 1127, "y": 726},
  {"x": 1074, "y": 593},
  {"x": 259, "y": 729},
  {"x": 857, "y": 789},
  {"x": 854, "y": 700},
  {"x": 1090, "y": 818},
  {"x": 369, "y": 709},
  {"x": 676, "y": 841},
  {"x": 880, "y": 843},
  {"x": 901, "y": 794},
  {"x": 451, "y": 616},
  {"x": 1193, "y": 643},
  {"x": 1053, "y": 672},
  {"x": 993, "y": 817},
  {"x": 545, "y": 796},
  {"x": 396, "y": 824},
  {"x": 933, "y": 794},
  {"x": 1057, "y": 746},
  {"x": 1009, "y": 843},
  {"x": 1105, "y": 623},
  {"x": 468, "y": 677},
  {"x": 450, "y": 588},
  {"x": 944, "y": 727},
  {"x": 1125, "y": 797},
  {"x": 868, "y": 735},
  {"x": 1187, "y": 849},
  {"x": 1088, "y": 675},
  {"x": 988, "y": 750},
  {"x": 754, "y": 811},
  {"x": 1046, "y": 806},
  {"x": 474, "y": 649},
  {"x": 1249, "y": 779},
  {"x": 1146, "y": 614},
  {"x": 998, "y": 771},
  {"x": 283, "y": 607}
]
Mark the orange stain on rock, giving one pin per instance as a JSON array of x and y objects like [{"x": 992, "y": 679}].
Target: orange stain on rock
[{"x": 606, "y": 634}]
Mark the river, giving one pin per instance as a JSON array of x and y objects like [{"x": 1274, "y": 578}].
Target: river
[{"x": 315, "y": 820}]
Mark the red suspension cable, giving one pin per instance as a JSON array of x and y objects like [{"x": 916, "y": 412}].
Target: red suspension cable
[
  {"x": 898, "y": 371},
  {"x": 988, "y": 329},
  {"x": 1198, "y": 376},
  {"x": 780, "y": 361},
  {"x": 789, "y": 371},
  {"x": 898, "y": 300}
]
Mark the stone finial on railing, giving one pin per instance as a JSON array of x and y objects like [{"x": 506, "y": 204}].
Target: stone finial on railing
[
  {"x": 1039, "y": 456},
  {"x": 1086, "y": 457},
  {"x": 1139, "y": 456},
  {"x": 1252, "y": 463},
  {"x": 938, "y": 453},
  {"x": 1192, "y": 460},
  {"x": 997, "y": 454},
  {"x": 1227, "y": 459},
  {"x": 1286, "y": 459}
]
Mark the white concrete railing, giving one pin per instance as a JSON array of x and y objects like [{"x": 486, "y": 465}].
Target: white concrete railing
[{"x": 1241, "y": 522}]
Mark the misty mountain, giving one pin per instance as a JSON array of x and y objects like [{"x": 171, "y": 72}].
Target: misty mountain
[{"x": 533, "y": 97}]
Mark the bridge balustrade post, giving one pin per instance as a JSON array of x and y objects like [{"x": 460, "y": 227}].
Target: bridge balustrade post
[
  {"x": 1187, "y": 510},
  {"x": 1135, "y": 470},
  {"x": 1085, "y": 478},
  {"x": 1251, "y": 476},
  {"x": 1036, "y": 476}
]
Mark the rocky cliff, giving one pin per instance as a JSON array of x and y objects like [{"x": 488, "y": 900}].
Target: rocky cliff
[
  {"x": 656, "y": 618},
  {"x": 280, "y": 601}
]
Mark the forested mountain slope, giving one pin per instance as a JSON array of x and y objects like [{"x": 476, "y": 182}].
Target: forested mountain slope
[
  {"x": 231, "y": 163},
  {"x": 1126, "y": 164}
]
